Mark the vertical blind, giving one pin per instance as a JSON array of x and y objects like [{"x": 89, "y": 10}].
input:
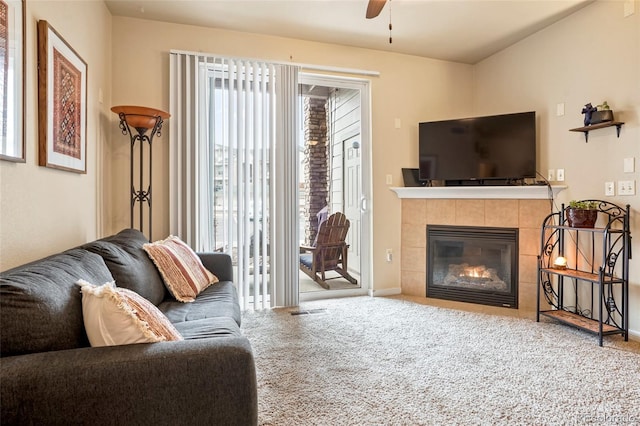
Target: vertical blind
[{"x": 233, "y": 169}]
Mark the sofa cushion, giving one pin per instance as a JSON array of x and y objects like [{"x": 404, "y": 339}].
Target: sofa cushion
[
  {"x": 41, "y": 306},
  {"x": 220, "y": 300},
  {"x": 180, "y": 267},
  {"x": 130, "y": 265},
  {"x": 119, "y": 316},
  {"x": 208, "y": 327}
]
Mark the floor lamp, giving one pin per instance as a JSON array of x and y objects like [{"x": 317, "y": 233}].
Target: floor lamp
[{"x": 140, "y": 119}]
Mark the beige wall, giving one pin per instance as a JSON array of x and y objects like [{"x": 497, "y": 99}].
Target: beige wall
[
  {"x": 43, "y": 210},
  {"x": 591, "y": 56},
  {"x": 409, "y": 88}
]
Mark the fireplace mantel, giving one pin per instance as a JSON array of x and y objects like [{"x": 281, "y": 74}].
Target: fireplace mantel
[{"x": 529, "y": 192}]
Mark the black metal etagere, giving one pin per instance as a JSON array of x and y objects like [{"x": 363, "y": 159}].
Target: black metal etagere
[{"x": 589, "y": 288}]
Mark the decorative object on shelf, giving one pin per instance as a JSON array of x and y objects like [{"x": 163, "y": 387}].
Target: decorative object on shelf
[
  {"x": 12, "y": 75},
  {"x": 141, "y": 119},
  {"x": 62, "y": 103},
  {"x": 560, "y": 263},
  {"x": 582, "y": 214},
  {"x": 602, "y": 114},
  {"x": 593, "y": 294},
  {"x": 597, "y": 118},
  {"x": 588, "y": 111}
]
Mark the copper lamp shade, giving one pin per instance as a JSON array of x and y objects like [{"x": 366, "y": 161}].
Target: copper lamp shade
[{"x": 140, "y": 117}]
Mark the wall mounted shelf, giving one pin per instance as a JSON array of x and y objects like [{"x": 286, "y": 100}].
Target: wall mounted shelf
[{"x": 586, "y": 129}]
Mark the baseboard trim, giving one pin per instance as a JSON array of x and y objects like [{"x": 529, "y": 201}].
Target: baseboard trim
[
  {"x": 329, "y": 294},
  {"x": 634, "y": 335},
  {"x": 385, "y": 292}
]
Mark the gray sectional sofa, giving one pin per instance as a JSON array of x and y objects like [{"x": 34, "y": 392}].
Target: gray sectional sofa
[{"x": 49, "y": 374}]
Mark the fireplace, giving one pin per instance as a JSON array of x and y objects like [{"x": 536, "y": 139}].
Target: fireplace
[{"x": 473, "y": 264}]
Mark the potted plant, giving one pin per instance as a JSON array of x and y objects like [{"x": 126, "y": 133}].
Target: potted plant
[
  {"x": 601, "y": 114},
  {"x": 582, "y": 214}
]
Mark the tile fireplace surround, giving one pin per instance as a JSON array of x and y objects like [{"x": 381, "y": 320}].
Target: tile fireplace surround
[{"x": 511, "y": 207}]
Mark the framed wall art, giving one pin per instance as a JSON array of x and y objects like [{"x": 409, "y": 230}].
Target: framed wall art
[
  {"x": 12, "y": 65},
  {"x": 62, "y": 103}
]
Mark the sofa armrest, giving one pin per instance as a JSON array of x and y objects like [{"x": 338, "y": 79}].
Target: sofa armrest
[
  {"x": 219, "y": 264},
  {"x": 199, "y": 381}
]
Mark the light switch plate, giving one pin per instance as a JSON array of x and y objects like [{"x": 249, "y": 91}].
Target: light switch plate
[
  {"x": 626, "y": 187},
  {"x": 629, "y": 166},
  {"x": 609, "y": 189},
  {"x": 629, "y": 8}
]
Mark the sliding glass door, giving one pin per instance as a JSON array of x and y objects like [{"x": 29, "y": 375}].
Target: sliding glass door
[
  {"x": 232, "y": 179},
  {"x": 334, "y": 164},
  {"x": 234, "y": 168}
]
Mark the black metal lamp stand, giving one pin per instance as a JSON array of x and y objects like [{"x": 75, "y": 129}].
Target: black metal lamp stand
[{"x": 141, "y": 119}]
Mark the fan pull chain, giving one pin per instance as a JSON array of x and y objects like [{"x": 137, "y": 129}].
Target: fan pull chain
[{"x": 390, "y": 25}]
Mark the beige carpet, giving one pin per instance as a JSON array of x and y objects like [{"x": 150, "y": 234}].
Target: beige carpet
[{"x": 387, "y": 361}]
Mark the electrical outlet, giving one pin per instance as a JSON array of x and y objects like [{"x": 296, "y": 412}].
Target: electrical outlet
[
  {"x": 551, "y": 175},
  {"x": 560, "y": 175},
  {"x": 626, "y": 187},
  {"x": 389, "y": 179},
  {"x": 609, "y": 189},
  {"x": 389, "y": 255}
]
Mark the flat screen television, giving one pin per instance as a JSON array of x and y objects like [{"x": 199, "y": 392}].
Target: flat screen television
[{"x": 479, "y": 149}]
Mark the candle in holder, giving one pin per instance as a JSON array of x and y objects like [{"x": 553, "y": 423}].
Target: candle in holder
[{"x": 560, "y": 263}]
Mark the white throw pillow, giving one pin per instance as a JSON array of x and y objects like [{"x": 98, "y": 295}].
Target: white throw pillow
[{"x": 118, "y": 316}]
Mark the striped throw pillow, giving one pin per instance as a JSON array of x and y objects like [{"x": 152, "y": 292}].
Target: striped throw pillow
[
  {"x": 118, "y": 316},
  {"x": 180, "y": 267}
]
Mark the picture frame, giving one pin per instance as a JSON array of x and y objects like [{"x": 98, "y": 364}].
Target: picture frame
[
  {"x": 12, "y": 79},
  {"x": 62, "y": 103}
]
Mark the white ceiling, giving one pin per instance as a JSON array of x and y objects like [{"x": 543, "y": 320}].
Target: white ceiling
[{"x": 454, "y": 30}]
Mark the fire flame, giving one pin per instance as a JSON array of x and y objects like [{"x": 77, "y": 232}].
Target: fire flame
[{"x": 476, "y": 272}]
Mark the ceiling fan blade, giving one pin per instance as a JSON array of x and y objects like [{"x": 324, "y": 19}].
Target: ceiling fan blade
[{"x": 374, "y": 8}]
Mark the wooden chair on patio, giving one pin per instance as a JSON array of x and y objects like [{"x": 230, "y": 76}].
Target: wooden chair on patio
[{"x": 329, "y": 253}]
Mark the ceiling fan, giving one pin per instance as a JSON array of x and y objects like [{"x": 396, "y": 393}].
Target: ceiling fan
[{"x": 374, "y": 8}]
